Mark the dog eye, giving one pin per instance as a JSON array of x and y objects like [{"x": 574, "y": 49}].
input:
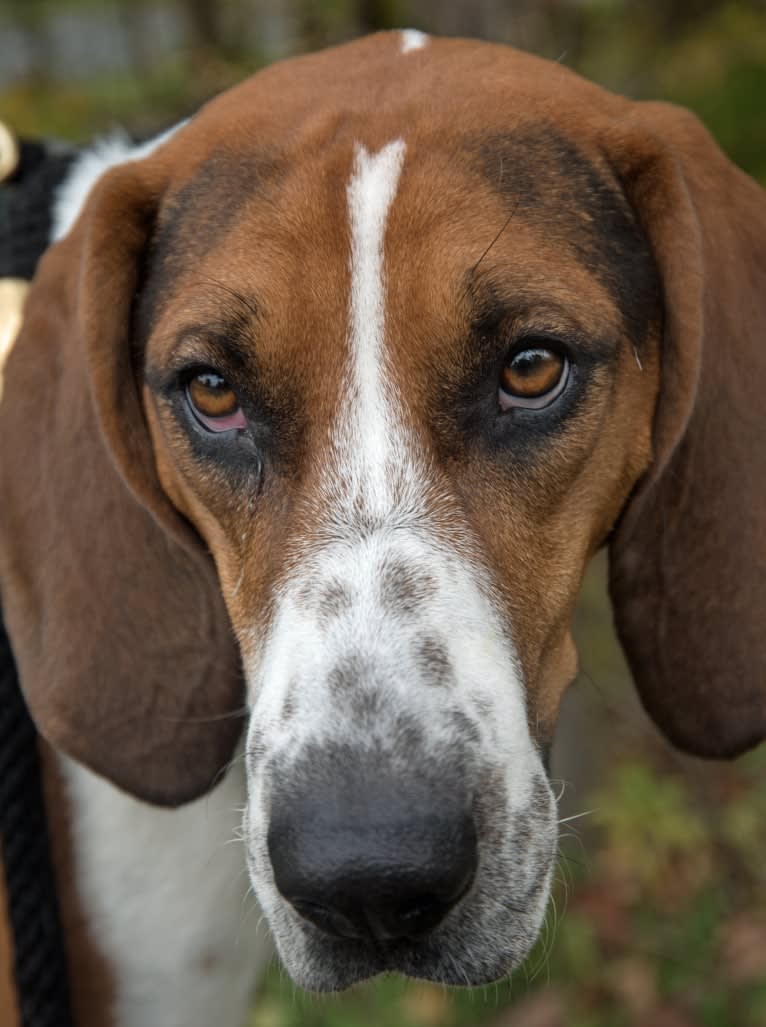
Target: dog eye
[
  {"x": 214, "y": 403},
  {"x": 533, "y": 378}
]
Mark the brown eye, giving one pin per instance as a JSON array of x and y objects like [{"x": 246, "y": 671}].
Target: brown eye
[
  {"x": 214, "y": 402},
  {"x": 533, "y": 378}
]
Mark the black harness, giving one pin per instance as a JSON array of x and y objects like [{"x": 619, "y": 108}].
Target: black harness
[
  {"x": 39, "y": 953},
  {"x": 26, "y": 199}
]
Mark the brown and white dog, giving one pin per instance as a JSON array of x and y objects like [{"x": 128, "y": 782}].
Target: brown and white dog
[{"x": 365, "y": 361}]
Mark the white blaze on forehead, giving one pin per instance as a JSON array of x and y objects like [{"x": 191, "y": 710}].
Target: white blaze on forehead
[
  {"x": 388, "y": 639},
  {"x": 413, "y": 39},
  {"x": 369, "y": 420}
]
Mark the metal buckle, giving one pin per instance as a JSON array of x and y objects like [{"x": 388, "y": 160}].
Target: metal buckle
[
  {"x": 13, "y": 293},
  {"x": 9, "y": 152}
]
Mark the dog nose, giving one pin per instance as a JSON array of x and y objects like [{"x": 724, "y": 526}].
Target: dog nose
[{"x": 378, "y": 861}]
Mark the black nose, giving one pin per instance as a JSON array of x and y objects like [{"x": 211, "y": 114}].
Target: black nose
[{"x": 368, "y": 857}]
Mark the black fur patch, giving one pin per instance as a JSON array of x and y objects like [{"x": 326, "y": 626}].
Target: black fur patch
[
  {"x": 541, "y": 796},
  {"x": 194, "y": 219},
  {"x": 288, "y": 707},
  {"x": 467, "y": 729},
  {"x": 403, "y": 588},
  {"x": 345, "y": 678},
  {"x": 434, "y": 664},
  {"x": 490, "y": 806},
  {"x": 546, "y": 179},
  {"x": 333, "y": 600}
]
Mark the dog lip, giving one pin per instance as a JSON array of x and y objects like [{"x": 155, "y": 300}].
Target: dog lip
[
  {"x": 350, "y": 961},
  {"x": 370, "y": 956},
  {"x": 445, "y": 955}
]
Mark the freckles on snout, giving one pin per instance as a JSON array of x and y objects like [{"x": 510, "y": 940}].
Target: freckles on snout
[{"x": 388, "y": 717}]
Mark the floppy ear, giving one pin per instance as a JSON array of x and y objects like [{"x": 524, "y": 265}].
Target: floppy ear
[
  {"x": 688, "y": 560},
  {"x": 124, "y": 648}
]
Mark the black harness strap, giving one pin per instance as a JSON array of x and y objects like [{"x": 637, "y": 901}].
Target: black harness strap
[
  {"x": 26, "y": 198},
  {"x": 40, "y": 965}
]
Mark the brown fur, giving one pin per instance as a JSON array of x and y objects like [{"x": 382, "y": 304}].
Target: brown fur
[
  {"x": 9, "y": 1010},
  {"x": 113, "y": 603},
  {"x": 688, "y": 564},
  {"x": 121, "y": 695}
]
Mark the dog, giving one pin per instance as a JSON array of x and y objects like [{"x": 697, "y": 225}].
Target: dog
[{"x": 321, "y": 404}]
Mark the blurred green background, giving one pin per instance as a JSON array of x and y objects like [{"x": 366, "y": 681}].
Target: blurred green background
[{"x": 659, "y": 917}]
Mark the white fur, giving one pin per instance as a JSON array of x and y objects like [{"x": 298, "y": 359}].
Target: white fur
[
  {"x": 90, "y": 166},
  {"x": 166, "y": 895},
  {"x": 380, "y": 504},
  {"x": 413, "y": 39},
  {"x": 369, "y": 423}
]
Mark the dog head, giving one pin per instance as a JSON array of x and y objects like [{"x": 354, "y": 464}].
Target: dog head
[{"x": 366, "y": 361}]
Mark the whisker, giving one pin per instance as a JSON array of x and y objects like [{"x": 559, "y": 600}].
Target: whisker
[
  {"x": 507, "y": 222},
  {"x": 564, "y": 784},
  {"x": 243, "y": 300},
  {"x": 225, "y": 770},
  {"x": 237, "y": 587},
  {"x": 570, "y": 835},
  {"x": 211, "y": 718},
  {"x": 576, "y": 816}
]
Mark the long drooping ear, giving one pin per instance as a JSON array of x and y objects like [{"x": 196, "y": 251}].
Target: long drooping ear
[
  {"x": 123, "y": 644},
  {"x": 688, "y": 560}
]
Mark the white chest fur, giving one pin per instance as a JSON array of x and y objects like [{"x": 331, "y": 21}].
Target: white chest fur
[{"x": 167, "y": 896}]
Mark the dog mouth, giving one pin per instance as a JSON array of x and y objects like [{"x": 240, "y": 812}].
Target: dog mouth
[
  {"x": 358, "y": 877},
  {"x": 474, "y": 946}
]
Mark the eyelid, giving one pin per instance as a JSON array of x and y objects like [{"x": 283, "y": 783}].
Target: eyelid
[
  {"x": 219, "y": 425},
  {"x": 560, "y": 340}
]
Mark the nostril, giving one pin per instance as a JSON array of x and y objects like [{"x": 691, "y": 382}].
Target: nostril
[
  {"x": 411, "y": 920},
  {"x": 329, "y": 920},
  {"x": 416, "y": 914}
]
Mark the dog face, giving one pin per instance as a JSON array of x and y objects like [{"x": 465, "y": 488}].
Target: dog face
[
  {"x": 399, "y": 368},
  {"x": 428, "y": 457}
]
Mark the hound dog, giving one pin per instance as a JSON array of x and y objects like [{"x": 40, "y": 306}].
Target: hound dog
[{"x": 320, "y": 406}]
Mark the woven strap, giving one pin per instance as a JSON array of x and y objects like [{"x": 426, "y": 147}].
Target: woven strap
[
  {"x": 40, "y": 969},
  {"x": 25, "y": 205}
]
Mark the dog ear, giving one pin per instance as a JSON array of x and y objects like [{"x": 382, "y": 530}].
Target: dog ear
[
  {"x": 125, "y": 652},
  {"x": 688, "y": 559}
]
